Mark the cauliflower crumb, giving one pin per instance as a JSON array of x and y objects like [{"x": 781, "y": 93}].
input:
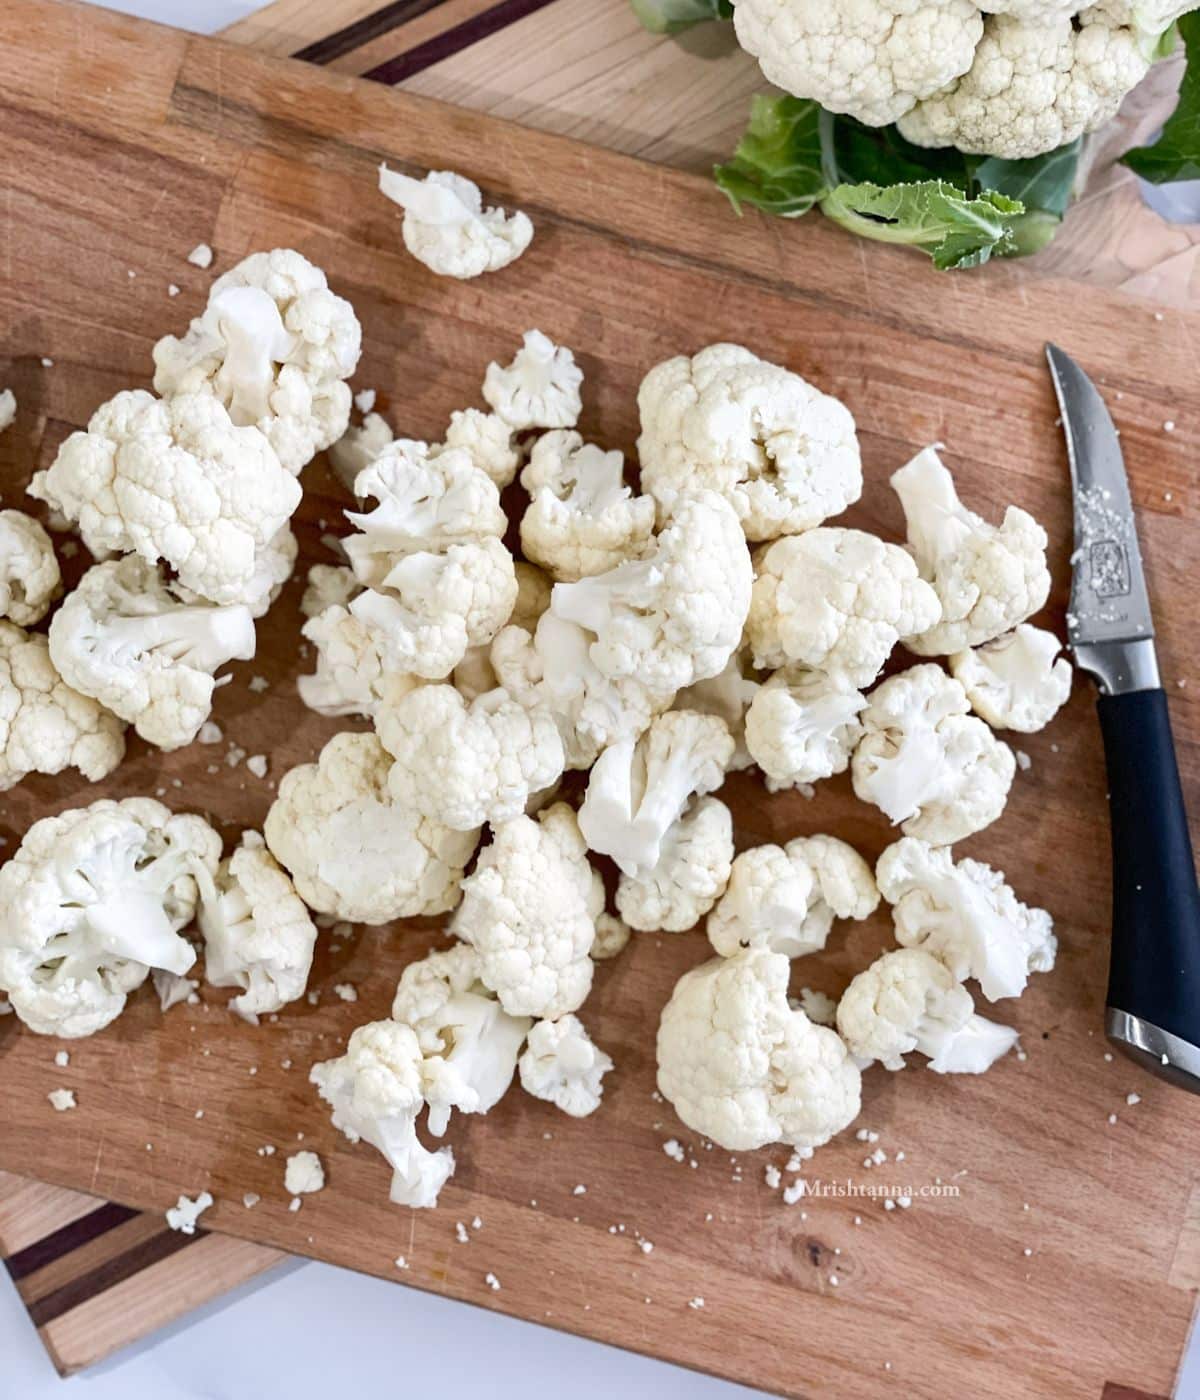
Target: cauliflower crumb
[
  {"x": 674, "y": 1149},
  {"x": 210, "y": 733},
  {"x": 47, "y": 362},
  {"x": 201, "y": 256},
  {"x": 251, "y": 1199},
  {"x": 460, "y": 1233},
  {"x": 477, "y": 1223},
  {"x": 257, "y": 764},
  {"x": 772, "y": 1176},
  {"x": 257, "y": 684},
  {"x": 888, "y": 1203},
  {"x": 172, "y": 289},
  {"x": 1132, "y": 1099},
  {"x": 492, "y": 1282},
  {"x": 303, "y": 1174},
  {"x": 364, "y": 401},
  {"x": 794, "y": 1192},
  {"x": 183, "y": 1215},
  {"x": 645, "y": 1246},
  {"x": 62, "y": 1099},
  {"x": 1169, "y": 426},
  {"x": 579, "y": 1191},
  {"x": 696, "y": 1303},
  {"x": 904, "y": 1202},
  {"x": 1024, "y": 762},
  {"x": 346, "y": 991},
  {"x": 1112, "y": 1118},
  {"x": 401, "y": 1262},
  {"x": 62, "y": 1059},
  {"x": 833, "y": 1280},
  {"x": 294, "y": 1204}
]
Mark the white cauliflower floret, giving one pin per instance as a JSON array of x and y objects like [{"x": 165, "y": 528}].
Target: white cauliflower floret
[
  {"x": 837, "y": 601},
  {"x": 729, "y": 696},
  {"x": 907, "y": 1000},
  {"x": 869, "y": 59},
  {"x": 29, "y": 575},
  {"x": 276, "y": 346},
  {"x": 329, "y": 586},
  {"x": 539, "y": 389},
  {"x": 464, "y": 765},
  {"x": 358, "y": 447},
  {"x": 447, "y": 228},
  {"x": 1034, "y": 85},
  {"x": 785, "y": 898},
  {"x": 45, "y": 725},
  {"x": 965, "y": 915},
  {"x": 929, "y": 766},
  {"x": 802, "y": 726},
  {"x": 782, "y": 453},
  {"x": 675, "y": 616},
  {"x": 125, "y": 638},
  {"x": 174, "y": 479},
  {"x": 375, "y": 1092},
  {"x": 350, "y": 678},
  {"x": 351, "y": 850},
  {"x": 487, "y": 439},
  {"x": 91, "y": 901},
  {"x": 1015, "y": 682},
  {"x": 744, "y": 1069},
  {"x": 554, "y": 668},
  {"x": 695, "y": 858},
  {"x": 988, "y": 578},
  {"x": 530, "y": 908},
  {"x": 582, "y": 519},
  {"x": 639, "y": 788},
  {"x": 257, "y": 933},
  {"x": 564, "y": 1067},
  {"x": 469, "y": 1042}
]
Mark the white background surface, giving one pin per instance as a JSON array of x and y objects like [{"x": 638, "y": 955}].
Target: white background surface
[{"x": 375, "y": 1338}]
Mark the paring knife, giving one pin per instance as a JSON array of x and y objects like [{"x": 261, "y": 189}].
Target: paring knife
[{"x": 1153, "y": 1010}]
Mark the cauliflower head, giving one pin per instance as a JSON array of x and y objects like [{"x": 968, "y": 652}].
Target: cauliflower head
[
  {"x": 29, "y": 575},
  {"x": 539, "y": 389},
  {"x": 907, "y": 1000},
  {"x": 351, "y": 850},
  {"x": 125, "y": 638},
  {"x": 487, "y": 439},
  {"x": 582, "y": 519},
  {"x": 45, "y": 725},
  {"x": 966, "y": 915},
  {"x": 784, "y": 455},
  {"x": 529, "y": 909},
  {"x": 837, "y": 601},
  {"x": 1015, "y": 682},
  {"x": 988, "y": 578},
  {"x": 785, "y": 898},
  {"x": 464, "y": 765},
  {"x": 743, "y": 1068},
  {"x": 802, "y": 726},
  {"x": 695, "y": 858},
  {"x": 174, "y": 480},
  {"x": 351, "y": 677},
  {"x": 258, "y": 935},
  {"x": 91, "y": 901},
  {"x": 447, "y": 228},
  {"x": 563, "y": 1066}
]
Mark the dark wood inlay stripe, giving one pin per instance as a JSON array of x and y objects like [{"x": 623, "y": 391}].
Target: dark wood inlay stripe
[
  {"x": 69, "y": 1237},
  {"x": 364, "y": 31},
  {"x": 109, "y": 1274},
  {"x": 453, "y": 41}
]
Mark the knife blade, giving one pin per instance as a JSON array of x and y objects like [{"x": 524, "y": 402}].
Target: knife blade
[{"x": 1153, "y": 1004}]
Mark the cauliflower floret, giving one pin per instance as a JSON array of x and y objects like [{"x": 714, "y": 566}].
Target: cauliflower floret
[
  {"x": 782, "y": 453},
  {"x": 91, "y": 901},
  {"x": 837, "y": 601},
  {"x": 174, "y": 479},
  {"x": 785, "y": 898},
  {"x": 447, "y": 228},
  {"x": 329, "y": 586},
  {"x": 564, "y": 1067},
  {"x": 276, "y": 346},
  {"x": 638, "y": 788},
  {"x": 1015, "y": 682},
  {"x": 29, "y": 575},
  {"x": 582, "y": 519},
  {"x": 125, "y": 638},
  {"x": 257, "y": 933},
  {"x": 530, "y": 908},
  {"x": 466, "y": 765},
  {"x": 802, "y": 726},
  {"x": 693, "y": 867},
  {"x": 869, "y": 59},
  {"x": 350, "y": 678},
  {"x": 45, "y": 726},
  {"x": 351, "y": 850},
  {"x": 554, "y": 668},
  {"x": 988, "y": 578},
  {"x": 358, "y": 447},
  {"x": 487, "y": 439},
  {"x": 612, "y": 937},
  {"x": 965, "y": 915},
  {"x": 729, "y": 696},
  {"x": 744, "y": 1069},
  {"x": 675, "y": 616},
  {"x": 927, "y": 764},
  {"x": 374, "y": 1090},
  {"x": 539, "y": 389},
  {"x": 1034, "y": 85},
  {"x": 907, "y": 1000},
  {"x": 469, "y": 1043}
]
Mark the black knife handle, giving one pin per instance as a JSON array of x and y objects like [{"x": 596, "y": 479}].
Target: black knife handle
[{"x": 1154, "y": 974}]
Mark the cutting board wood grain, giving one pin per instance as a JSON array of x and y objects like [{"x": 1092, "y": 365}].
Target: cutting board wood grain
[{"x": 122, "y": 146}]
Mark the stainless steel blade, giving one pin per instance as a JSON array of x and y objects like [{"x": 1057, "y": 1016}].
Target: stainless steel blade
[{"x": 1109, "y": 623}]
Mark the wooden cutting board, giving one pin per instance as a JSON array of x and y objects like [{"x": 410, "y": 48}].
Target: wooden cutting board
[{"x": 123, "y": 145}]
